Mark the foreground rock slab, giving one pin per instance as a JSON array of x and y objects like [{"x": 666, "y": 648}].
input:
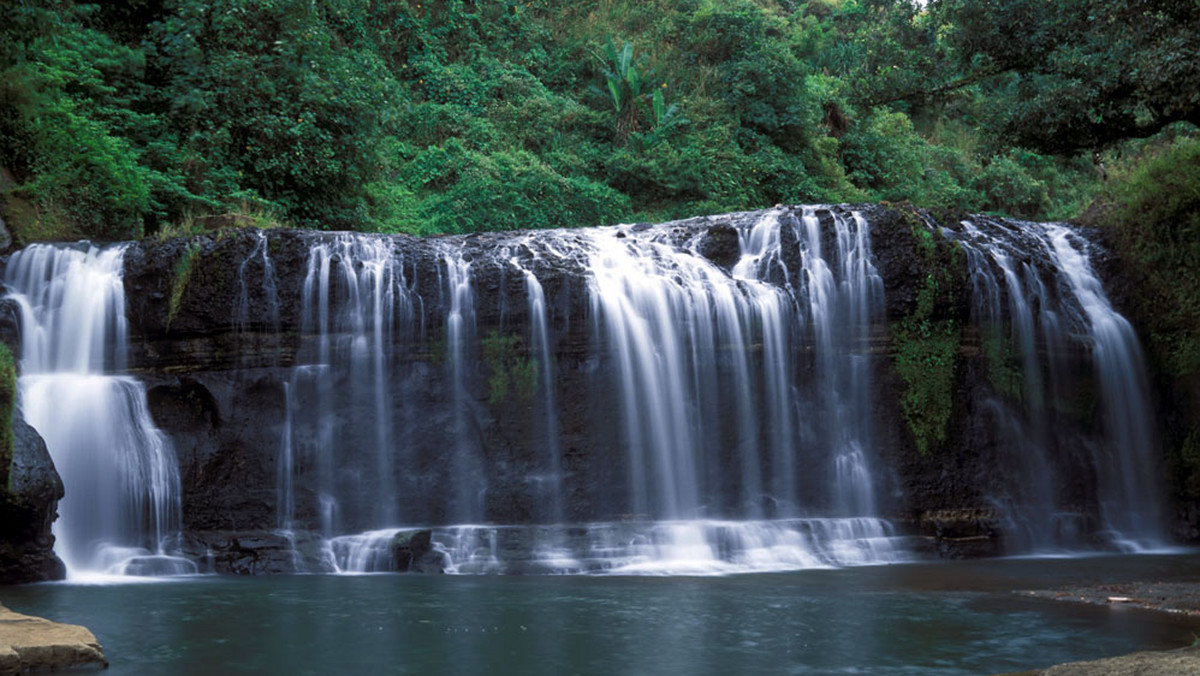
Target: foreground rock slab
[
  {"x": 30, "y": 643},
  {"x": 1169, "y": 663}
]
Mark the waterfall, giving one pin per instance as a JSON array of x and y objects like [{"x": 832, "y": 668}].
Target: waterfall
[
  {"x": 1127, "y": 464},
  {"x": 652, "y": 307},
  {"x": 459, "y": 297},
  {"x": 260, "y": 259},
  {"x": 705, "y": 367},
  {"x": 354, "y": 294},
  {"x": 761, "y": 368},
  {"x": 1009, "y": 339},
  {"x": 1038, "y": 305},
  {"x": 255, "y": 332},
  {"x": 760, "y": 257},
  {"x": 700, "y": 397},
  {"x": 119, "y": 471},
  {"x": 841, "y": 310},
  {"x": 550, "y": 481}
]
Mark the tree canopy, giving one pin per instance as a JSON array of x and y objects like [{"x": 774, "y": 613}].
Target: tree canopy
[
  {"x": 1085, "y": 73},
  {"x": 131, "y": 116}
]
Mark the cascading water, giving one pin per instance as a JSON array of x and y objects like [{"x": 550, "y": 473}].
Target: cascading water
[
  {"x": 703, "y": 368},
  {"x": 841, "y": 312},
  {"x": 760, "y": 258},
  {"x": 683, "y": 337},
  {"x": 260, "y": 260},
  {"x": 1038, "y": 306},
  {"x": 1129, "y": 503},
  {"x": 550, "y": 480},
  {"x": 1028, "y": 504},
  {"x": 652, "y": 309},
  {"x": 459, "y": 300},
  {"x": 678, "y": 411},
  {"x": 119, "y": 471},
  {"x": 354, "y": 293}
]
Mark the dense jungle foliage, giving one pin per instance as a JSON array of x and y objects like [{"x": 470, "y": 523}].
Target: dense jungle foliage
[{"x": 130, "y": 117}]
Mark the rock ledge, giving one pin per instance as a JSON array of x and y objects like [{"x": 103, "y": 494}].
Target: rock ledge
[
  {"x": 1149, "y": 663},
  {"x": 34, "y": 644}
]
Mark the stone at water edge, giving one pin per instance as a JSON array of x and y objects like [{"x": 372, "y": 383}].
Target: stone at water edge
[
  {"x": 1149, "y": 663},
  {"x": 28, "y": 507},
  {"x": 413, "y": 552},
  {"x": 30, "y": 643}
]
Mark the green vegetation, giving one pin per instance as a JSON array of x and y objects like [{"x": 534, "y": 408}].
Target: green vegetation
[
  {"x": 1151, "y": 207},
  {"x": 1084, "y": 73},
  {"x": 182, "y": 273},
  {"x": 143, "y": 116},
  {"x": 926, "y": 343},
  {"x": 926, "y": 354},
  {"x": 1003, "y": 372},
  {"x": 508, "y": 370}
]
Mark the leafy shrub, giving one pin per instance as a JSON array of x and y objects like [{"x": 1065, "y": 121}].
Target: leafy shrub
[
  {"x": 57, "y": 119},
  {"x": 885, "y": 156},
  {"x": 513, "y": 190},
  {"x": 1008, "y": 187}
]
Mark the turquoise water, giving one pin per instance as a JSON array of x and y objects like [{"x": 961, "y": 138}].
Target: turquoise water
[{"x": 938, "y": 618}]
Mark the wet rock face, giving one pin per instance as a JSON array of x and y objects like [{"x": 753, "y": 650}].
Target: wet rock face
[
  {"x": 254, "y": 552},
  {"x": 10, "y": 325},
  {"x": 225, "y": 427},
  {"x": 28, "y": 507},
  {"x": 719, "y": 244}
]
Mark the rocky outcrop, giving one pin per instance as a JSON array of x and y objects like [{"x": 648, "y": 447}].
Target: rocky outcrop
[
  {"x": 28, "y": 507},
  {"x": 413, "y": 552},
  {"x": 33, "y": 644},
  {"x": 259, "y": 552}
]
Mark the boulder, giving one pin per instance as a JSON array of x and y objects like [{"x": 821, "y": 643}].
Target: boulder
[
  {"x": 413, "y": 552},
  {"x": 720, "y": 245},
  {"x": 28, "y": 507}
]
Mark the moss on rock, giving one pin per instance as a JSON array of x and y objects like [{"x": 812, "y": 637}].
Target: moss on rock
[
  {"x": 182, "y": 273},
  {"x": 509, "y": 370},
  {"x": 926, "y": 342}
]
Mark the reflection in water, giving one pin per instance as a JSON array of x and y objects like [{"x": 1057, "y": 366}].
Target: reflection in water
[{"x": 947, "y": 618}]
